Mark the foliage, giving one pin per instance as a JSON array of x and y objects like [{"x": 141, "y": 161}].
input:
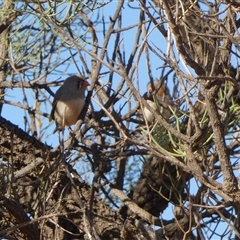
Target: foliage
[{"x": 173, "y": 178}]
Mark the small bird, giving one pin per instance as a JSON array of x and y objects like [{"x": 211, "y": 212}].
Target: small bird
[
  {"x": 69, "y": 101},
  {"x": 162, "y": 100}
]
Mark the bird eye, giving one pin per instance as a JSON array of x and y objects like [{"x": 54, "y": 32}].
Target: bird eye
[{"x": 79, "y": 84}]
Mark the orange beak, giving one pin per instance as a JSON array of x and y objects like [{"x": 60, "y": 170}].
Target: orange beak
[
  {"x": 85, "y": 84},
  {"x": 150, "y": 89}
]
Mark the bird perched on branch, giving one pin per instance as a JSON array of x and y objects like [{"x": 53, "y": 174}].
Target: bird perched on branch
[
  {"x": 158, "y": 97},
  {"x": 69, "y": 101}
]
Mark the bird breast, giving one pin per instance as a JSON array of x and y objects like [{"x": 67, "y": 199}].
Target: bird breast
[
  {"x": 68, "y": 112},
  {"x": 148, "y": 115},
  {"x": 162, "y": 109}
]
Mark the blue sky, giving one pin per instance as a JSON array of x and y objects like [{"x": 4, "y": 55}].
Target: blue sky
[
  {"x": 16, "y": 115},
  {"x": 130, "y": 17}
]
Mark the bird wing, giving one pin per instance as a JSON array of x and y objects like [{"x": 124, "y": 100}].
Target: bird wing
[{"x": 54, "y": 104}]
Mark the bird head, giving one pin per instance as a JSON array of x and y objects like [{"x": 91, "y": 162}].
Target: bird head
[
  {"x": 77, "y": 82},
  {"x": 155, "y": 87}
]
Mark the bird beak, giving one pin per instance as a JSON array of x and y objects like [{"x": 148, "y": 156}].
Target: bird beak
[
  {"x": 85, "y": 84},
  {"x": 150, "y": 90}
]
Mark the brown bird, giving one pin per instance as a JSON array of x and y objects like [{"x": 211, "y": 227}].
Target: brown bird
[
  {"x": 158, "y": 90},
  {"x": 69, "y": 101}
]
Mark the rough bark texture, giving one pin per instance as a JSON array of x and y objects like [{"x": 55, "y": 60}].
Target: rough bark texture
[{"x": 186, "y": 160}]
